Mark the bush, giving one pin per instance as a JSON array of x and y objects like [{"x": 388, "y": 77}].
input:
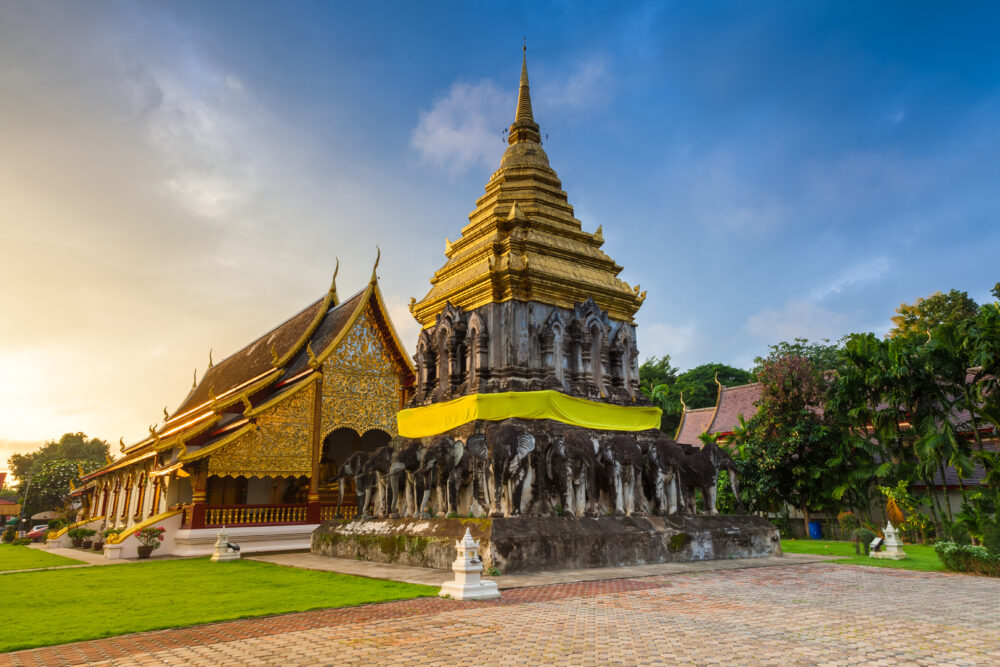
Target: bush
[
  {"x": 22, "y": 542},
  {"x": 862, "y": 536},
  {"x": 967, "y": 558},
  {"x": 9, "y": 535},
  {"x": 81, "y": 533},
  {"x": 55, "y": 524},
  {"x": 151, "y": 537},
  {"x": 848, "y": 522}
]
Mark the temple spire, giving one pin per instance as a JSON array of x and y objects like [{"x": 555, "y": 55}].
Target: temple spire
[{"x": 524, "y": 127}]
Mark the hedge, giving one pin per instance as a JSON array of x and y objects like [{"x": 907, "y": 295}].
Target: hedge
[{"x": 967, "y": 558}]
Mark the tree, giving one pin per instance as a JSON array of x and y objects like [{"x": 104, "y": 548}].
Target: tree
[
  {"x": 654, "y": 372},
  {"x": 788, "y": 452},
  {"x": 823, "y": 355},
  {"x": 71, "y": 446},
  {"x": 697, "y": 387},
  {"x": 50, "y": 486},
  {"x": 927, "y": 313}
]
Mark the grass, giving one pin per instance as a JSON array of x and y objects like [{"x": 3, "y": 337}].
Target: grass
[
  {"x": 59, "y": 606},
  {"x": 22, "y": 558},
  {"x": 918, "y": 557}
]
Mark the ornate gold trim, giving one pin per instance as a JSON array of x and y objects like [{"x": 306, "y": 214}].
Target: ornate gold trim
[{"x": 217, "y": 445}]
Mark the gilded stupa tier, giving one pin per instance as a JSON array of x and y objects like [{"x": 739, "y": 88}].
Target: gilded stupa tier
[{"x": 522, "y": 242}]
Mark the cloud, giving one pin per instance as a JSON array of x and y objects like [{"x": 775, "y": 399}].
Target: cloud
[
  {"x": 798, "y": 318},
  {"x": 660, "y": 338},
  {"x": 855, "y": 276},
  {"x": 463, "y": 129}
]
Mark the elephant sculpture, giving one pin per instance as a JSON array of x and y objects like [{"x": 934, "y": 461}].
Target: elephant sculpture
[
  {"x": 377, "y": 468},
  {"x": 664, "y": 461},
  {"x": 571, "y": 465},
  {"x": 353, "y": 467},
  {"x": 507, "y": 455},
  {"x": 622, "y": 465},
  {"x": 447, "y": 469},
  {"x": 405, "y": 468},
  {"x": 700, "y": 470}
]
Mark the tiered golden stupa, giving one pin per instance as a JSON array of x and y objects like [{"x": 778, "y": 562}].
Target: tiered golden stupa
[
  {"x": 526, "y": 303},
  {"x": 523, "y": 243}
]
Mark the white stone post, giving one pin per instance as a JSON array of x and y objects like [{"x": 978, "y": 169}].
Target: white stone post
[
  {"x": 467, "y": 568},
  {"x": 222, "y": 552}
]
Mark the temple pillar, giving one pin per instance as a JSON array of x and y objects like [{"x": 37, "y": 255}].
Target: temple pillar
[
  {"x": 199, "y": 486},
  {"x": 313, "y": 511}
]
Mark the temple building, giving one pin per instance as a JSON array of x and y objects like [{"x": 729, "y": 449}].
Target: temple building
[
  {"x": 526, "y": 300},
  {"x": 255, "y": 442}
]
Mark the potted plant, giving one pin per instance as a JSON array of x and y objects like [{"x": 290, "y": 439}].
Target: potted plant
[
  {"x": 149, "y": 540},
  {"x": 88, "y": 534},
  {"x": 76, "y": 535}
]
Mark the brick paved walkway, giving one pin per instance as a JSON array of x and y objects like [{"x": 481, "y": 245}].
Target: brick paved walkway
[{"x": 802, "y": 614}]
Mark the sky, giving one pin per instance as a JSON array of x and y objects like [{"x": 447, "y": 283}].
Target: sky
[{"x": 181, "y": 176}]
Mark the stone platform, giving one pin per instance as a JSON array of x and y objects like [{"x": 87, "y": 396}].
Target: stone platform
[{"x": 530, "y": 544}]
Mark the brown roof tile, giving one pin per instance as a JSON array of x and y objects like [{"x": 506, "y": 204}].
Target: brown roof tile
[
  {"x": 252, "y": 360},
  {"x": 733, "y": 402},
  {"x": 693, "y": 424}
]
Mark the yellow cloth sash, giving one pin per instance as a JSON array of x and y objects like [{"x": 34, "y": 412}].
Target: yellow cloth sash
[{"x": 440, "y": 417}]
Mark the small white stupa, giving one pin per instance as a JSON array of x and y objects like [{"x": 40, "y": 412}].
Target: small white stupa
[
  {"x": 467, "y": 567},
  {"x": 222, "y": 551},
  {"x": 892, "y": 548}
]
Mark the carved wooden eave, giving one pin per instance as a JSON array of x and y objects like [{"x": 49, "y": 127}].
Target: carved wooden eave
[{"x": 215, "y": 446}]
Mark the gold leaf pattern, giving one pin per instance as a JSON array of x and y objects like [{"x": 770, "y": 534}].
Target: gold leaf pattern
[
  {"x": 361, "y": 386},
  {"x": 280, "y": 446}
]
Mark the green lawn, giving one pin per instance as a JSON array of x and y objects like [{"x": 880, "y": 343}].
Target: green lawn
[
  {"x": 918, "y": 557},
  {"x": 59, "y": 606},
  {"x": 22, "y": 558}
]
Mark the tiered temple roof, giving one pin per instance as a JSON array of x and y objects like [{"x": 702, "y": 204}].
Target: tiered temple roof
[{"x": 268, "y": 370}]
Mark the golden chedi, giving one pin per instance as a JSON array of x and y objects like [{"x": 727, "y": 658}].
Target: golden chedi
[{"x": 527, "y": 301}]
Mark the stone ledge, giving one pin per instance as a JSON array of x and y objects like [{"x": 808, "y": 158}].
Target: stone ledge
[{"x": 531, "y": 544}]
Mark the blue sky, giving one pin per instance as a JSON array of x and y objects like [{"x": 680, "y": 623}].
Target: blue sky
[{"x": 179, "y": 176}]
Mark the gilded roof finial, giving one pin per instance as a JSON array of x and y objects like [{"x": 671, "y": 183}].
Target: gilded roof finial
[
  {"x": 275, "y": 359},
  {"x": 378, "y": 256},
  {"x": 121, "y": 441},
  {"x": 166, "y": 415},
  {"x": 210, "y": 364},
  {"x": 313, "y": 363},
  {"x": 524, "y": 127},
  {"x": 194, "y": 382},
  {"x": 333, "y": 283},
  {"x": 247, "y": 405}
]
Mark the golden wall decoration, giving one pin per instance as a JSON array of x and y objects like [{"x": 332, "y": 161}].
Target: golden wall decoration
[
  {"x": 361, "y": 385},
  {"x": 280, "y": 446}
]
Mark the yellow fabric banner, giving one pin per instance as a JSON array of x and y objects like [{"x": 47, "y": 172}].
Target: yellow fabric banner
[{"x": 440, "y": 417}]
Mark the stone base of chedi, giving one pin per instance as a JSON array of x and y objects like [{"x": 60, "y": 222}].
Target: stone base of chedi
[{"x": 528, "y": 544}]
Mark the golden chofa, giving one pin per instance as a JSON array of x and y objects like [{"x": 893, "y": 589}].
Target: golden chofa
[{"x": 522, "y": 242}]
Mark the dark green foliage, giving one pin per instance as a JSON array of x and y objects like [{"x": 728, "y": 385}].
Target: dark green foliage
[
  {"x": 967, "y": 558},
  {"x": 9, "y": 534},
  {"x": 50, "y": 486},
  {"x": 697, "y": 387},
  {"x": 71, "y": 447},
  {"x": 862, "y": 537},
  {"x": 56, "y": 524}
]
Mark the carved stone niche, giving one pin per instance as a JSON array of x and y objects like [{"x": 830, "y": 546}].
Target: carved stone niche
[{"x": 527, "y": 346}]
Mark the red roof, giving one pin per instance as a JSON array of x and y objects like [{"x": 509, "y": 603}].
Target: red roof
[
  {"x": 693, "y": 424},
  {"x": 733, "y": 402}
]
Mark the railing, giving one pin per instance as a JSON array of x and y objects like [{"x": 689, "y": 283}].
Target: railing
[
  {"x": 247, "y": 515},
  {"x": 328, "y": 512}
]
